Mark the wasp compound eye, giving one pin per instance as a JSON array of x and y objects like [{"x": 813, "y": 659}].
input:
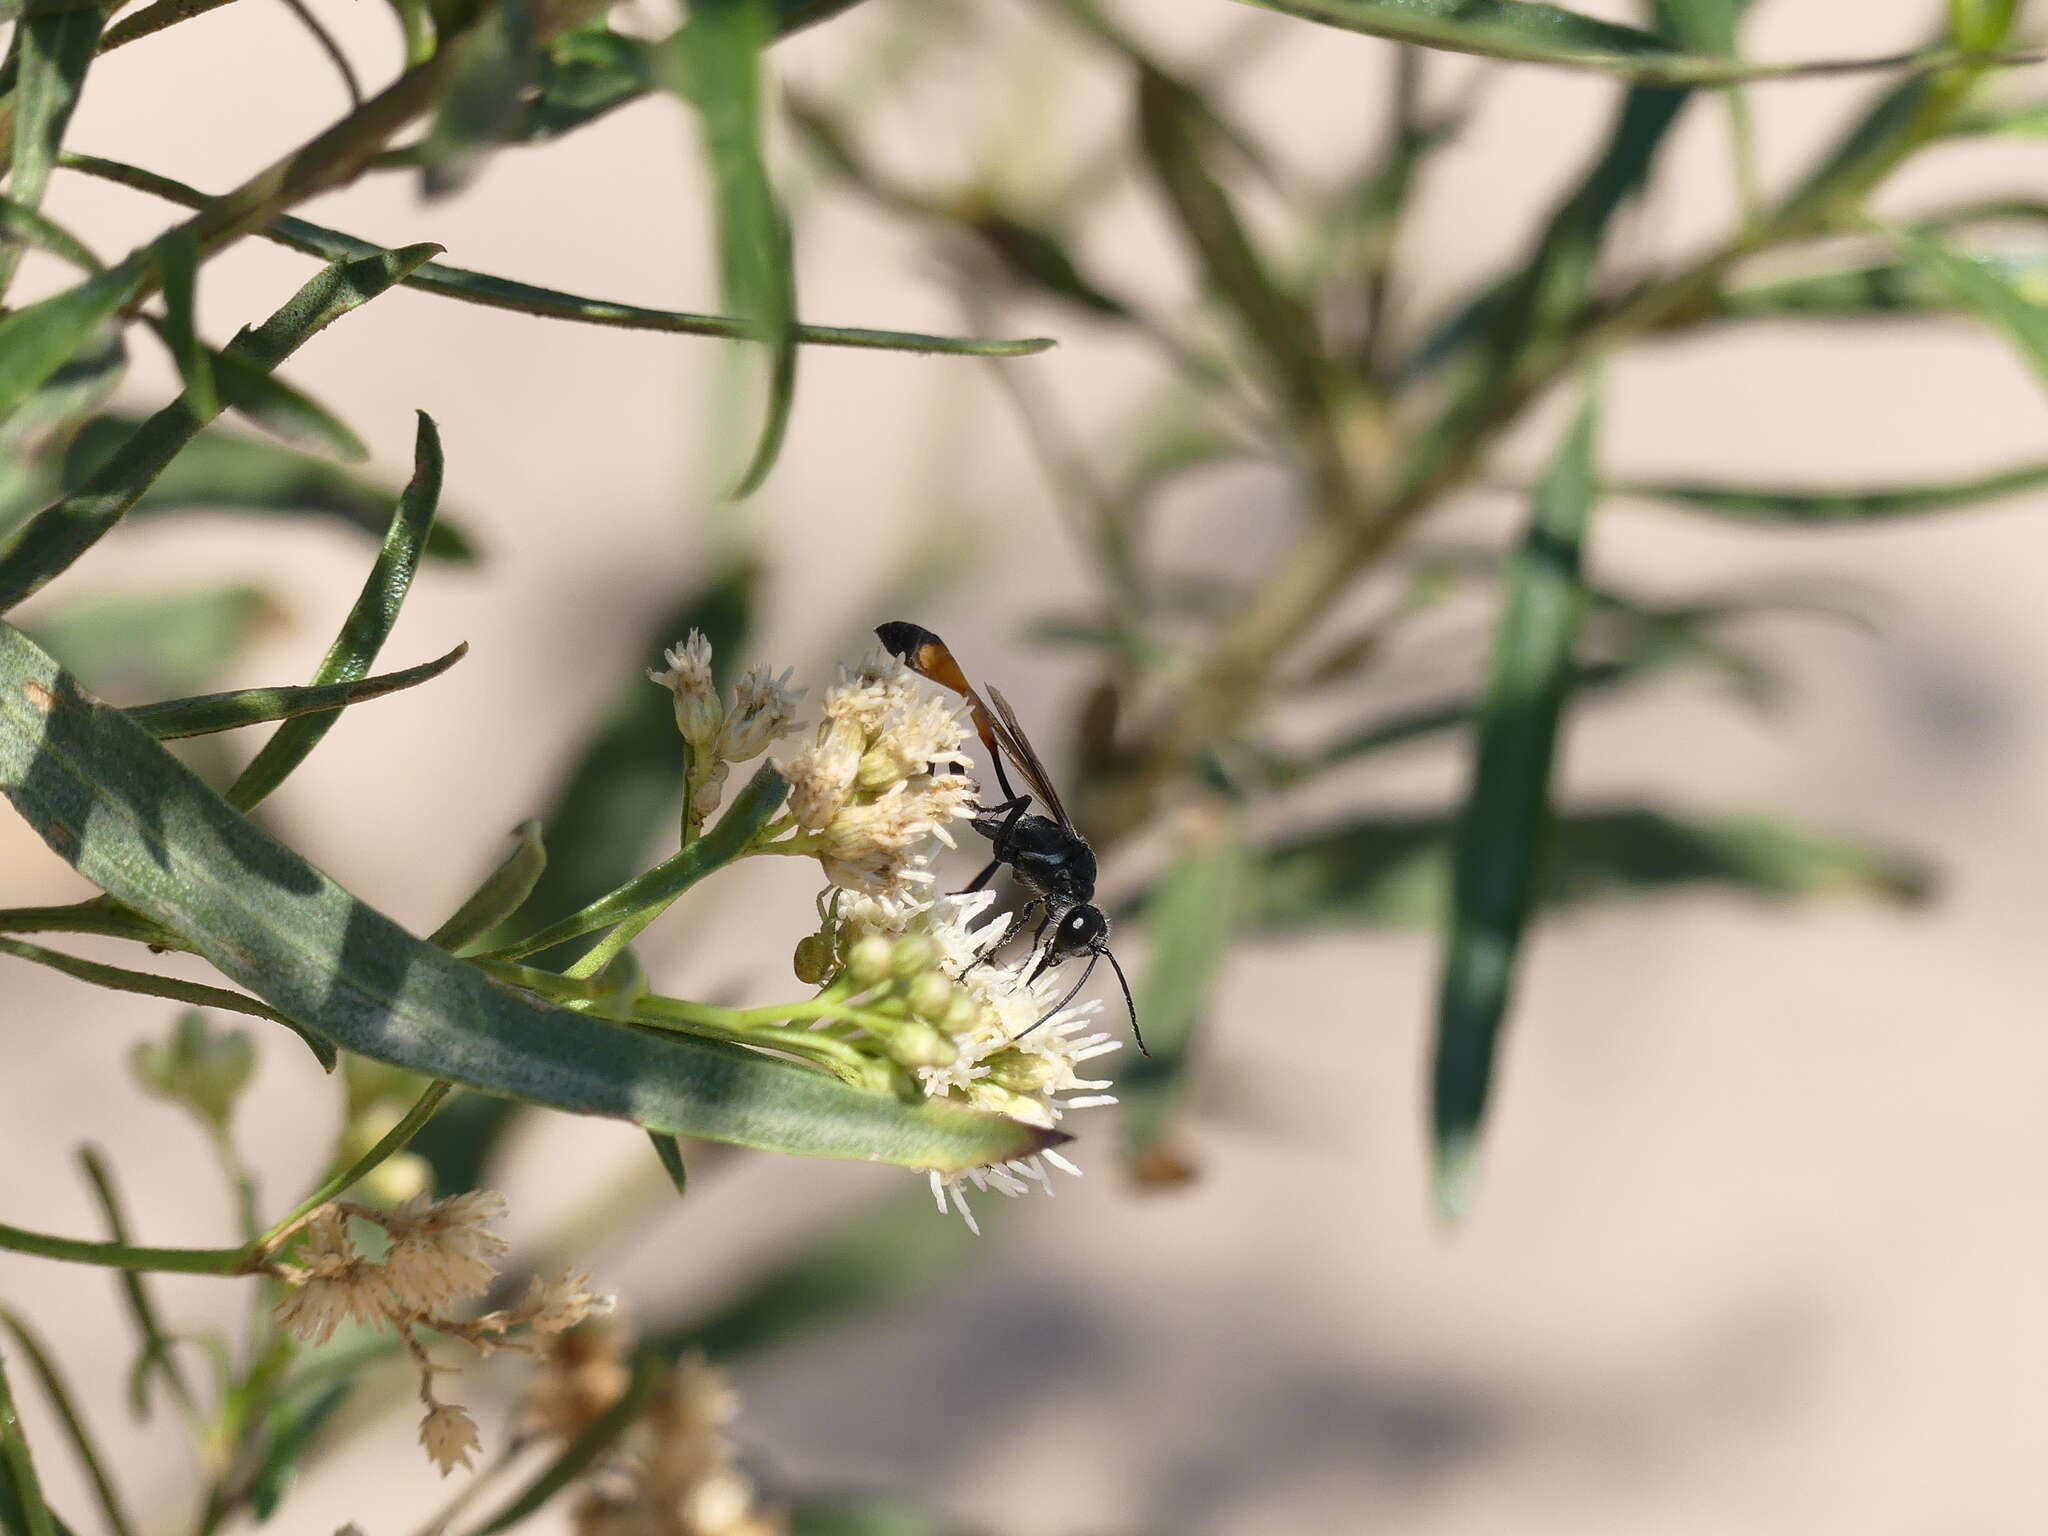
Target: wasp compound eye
[{"x": 1083, "y": 928}]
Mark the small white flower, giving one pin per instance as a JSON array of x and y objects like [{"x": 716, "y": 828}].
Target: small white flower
[
  {"x": 698, "y": 709},
  {"x": 449, "y": 1436},
  {"x": 441, "y": 1250},
  {"x": 763, "y": 712},
  {"x": 556, "y": 1306},
  {"x": 331, "y": 1284}
]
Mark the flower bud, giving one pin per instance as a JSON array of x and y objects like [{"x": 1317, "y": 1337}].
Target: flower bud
[
  {"x": 919, "y": 1045},
  {"x": 915, "y": 955},
  {"x": 992, "y": 1096},
  {"x": 202, "y": 1068},
  {"x": 698, "y": 709},
  {"x": 962, "y": 1014},
  {"x": 813, "y": 959},
  {"x": 930, "y": 994},
  {"x": 1022, "y": 1071},
  {"x": 867, "y": 961}
]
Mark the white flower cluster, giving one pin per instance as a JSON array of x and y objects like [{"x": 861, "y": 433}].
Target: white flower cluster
[
  {"x": 442, "y": 1253},
  {"x": 763, "y": 712},
  {"x": 1002, "y": 1052},
  {"x": 880, "y": 781},
  {"x": 675, "y": 1470}
]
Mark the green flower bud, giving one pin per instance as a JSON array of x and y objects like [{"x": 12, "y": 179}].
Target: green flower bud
[
  {"x": 919, "y": 1045},
  {"x": 199, "y": 1067},
  {"x": 915, "y": 954},
  {"x": 930, "y": 996},
  {"x": 1022, "y": 1071},
  {"x": 814, "y": 959},
  {"x": 868, "y": 960},
  {"x": 962, "y": 1013},
  {"x": 986, "y": 1094}
]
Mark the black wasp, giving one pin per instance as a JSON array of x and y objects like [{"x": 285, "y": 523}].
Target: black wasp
[{"x": 1047, "y": 854}]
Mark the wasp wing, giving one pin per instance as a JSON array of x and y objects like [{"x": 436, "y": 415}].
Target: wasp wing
[
  {"x": 1018, "y": 747},
  {"x": 930, "y": 657}
]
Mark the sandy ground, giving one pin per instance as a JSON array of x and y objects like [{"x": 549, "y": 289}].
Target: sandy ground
[{"x": 1760, "y": 1241}]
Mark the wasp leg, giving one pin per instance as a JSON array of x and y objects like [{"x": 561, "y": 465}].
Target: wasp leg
[
  {"x": 1018, "y": 919},
  {"x": 981, "y": 879}
]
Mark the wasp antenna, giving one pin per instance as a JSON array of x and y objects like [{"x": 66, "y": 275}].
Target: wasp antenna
[
  {"x": 1136, "y": 1033},
  {"x": 1072, "y": 992}
]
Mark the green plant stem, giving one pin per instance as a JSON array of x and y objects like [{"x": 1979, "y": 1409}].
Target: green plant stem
[
  {"x": 152, "y": 19},
  {"x": 169, "y": 1261},
  {"x": 1334, "y": 552},
  {"x": 156, "y": 1344},
  {"x": 21, "y": 1465},
  {"x": 240, "y": 1180},
  {"x": 60, "y": 1399},
  {"x": 390, "y": 1144}
]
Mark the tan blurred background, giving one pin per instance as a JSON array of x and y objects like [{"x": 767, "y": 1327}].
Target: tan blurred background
[{"x": 1760, "y": 1243}]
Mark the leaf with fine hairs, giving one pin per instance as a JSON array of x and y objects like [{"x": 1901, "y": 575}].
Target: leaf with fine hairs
[
  {"x": 200, "y": 716},
  {"x": 222, "y": 470},
  {"x": 365, "y": 629},
  {"x": 51, "y": 541}
]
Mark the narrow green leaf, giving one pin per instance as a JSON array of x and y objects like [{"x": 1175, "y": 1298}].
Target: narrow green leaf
[
  {"x": 886, "y": 1254},
  {"x": 223, "y": 470},
  {"x": 1393, "y": 871},
  {"x": 1191, "y": 923},
  {"x": 503, "y": 892},
  {"x": 868, "y": 1514},
  {"x": 2021, "y": 120},
  {"x": 365, "y": 629},
  {"x": 494, "y": 71},
  {"x": 153, "y": 1344},
  {"x": 1500, "y": 29},
  {"x": 120, "y": 979},
  {"x": 624, "y": 787},
  {"x": 269, "y": 402},
  {"x": 133, "y": 820},
  {"x": 720, "y": 56},
  {"x": 291, "y": 1434},
  {"x": 54, "y": 46},
  {"x": 27, "y": 1493},
  {"x": 526, "y": 298},
  {"x": 1507, "y": 808},
  {"x": 582, "y": 1453},
  {"x": 670, "y": 1151},
  {"x": 1274, "y": 322},
  {"x": 1837, "y": 507},
  {"x": 146, "y": 645},
  {"x": 749, "y": 812},
  {"x": 40, "y": 339},
  {"x": 585, "y": 73},
  {"x": 622, "y": 790},
  {"x": 21, "y": 225},
  {"x": 1985, "y": 289},
  {"x": 1510, "y": 333},
  {"x": 62, "y": 532},
  {"x": 177, "y": 259},
  {"x": 59, "y": 1394},
  {"x": 36, "y": 437},
  {"x": 201, "y": 715},
  {"x": 1870, "y": 291}
]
